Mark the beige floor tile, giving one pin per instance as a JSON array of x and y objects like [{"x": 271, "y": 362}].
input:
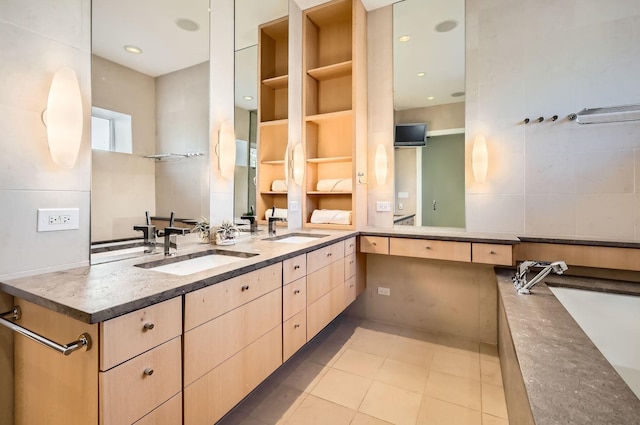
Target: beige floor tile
[
  {"x": 327, "y": 352},
  {"x": 391, "y": 404},
  {"x": 404, "y": 375},
  {"x": 316, "y": 411},
  {"x": 438, "y": 412},
  {"x": 489, "y": 352},
  {"x": 278, "y": 406},
  {"x": 418, "y": 336},
  {"x": 415, "y": 354},
  {"x": 459, "y": 345},
  {"x": 342, "y": 388},
  {"x": 382, "y": 327},
  {"x": 492, "y": 420},
  {"x": 454, "y": 389},
  {"x": 360, "y": 363},
  {"x": 493, "y": 401},
  {"x": 490, "y": 372},
  {"x": 362, "y": 419},
  {"x": 372, "y": 342},
  {"x": 457, "y": 364},
  {"x": 257, "y": 396},
  {"x": 305, "y": 376}
]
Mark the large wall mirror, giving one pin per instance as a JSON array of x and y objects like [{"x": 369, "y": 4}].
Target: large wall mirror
[
  {"x": 150, "y": 115},
  {"x": 429, "y": 85},
  {"x": 249, "y": 15}
]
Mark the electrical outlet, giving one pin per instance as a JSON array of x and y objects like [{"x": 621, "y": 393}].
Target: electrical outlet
[
  {"x": 400, "y": 206},
  {"x": 384, "y": 291},
  {"x": 294, "y": 206},
  {"x": 54, "y": 219},
  {"x": 383, "y": 206}
]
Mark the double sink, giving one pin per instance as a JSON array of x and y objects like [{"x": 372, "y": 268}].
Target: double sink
[{"x": 212, "y": 258}]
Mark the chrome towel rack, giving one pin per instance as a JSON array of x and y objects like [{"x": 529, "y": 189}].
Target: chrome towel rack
[
  {"x": 607, "y": 114},
  {"x": 83, "y": 341}
]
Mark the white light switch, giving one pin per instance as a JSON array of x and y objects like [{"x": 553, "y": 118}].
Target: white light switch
[
  {"x": 403, "y": 195},
  {"x": 383, "y": 206},
  {"x": 53, "y": 219},
  {"x": 294, "y": 206}
]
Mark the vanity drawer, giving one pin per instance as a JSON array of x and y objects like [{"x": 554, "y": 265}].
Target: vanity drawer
[
  {"x": 350, "y": 291},
  {"x": 169, "y": 413},
  {"x": 350, "y": 246},
  {"x": 322, "y": 281},
  {"x": 208, "y": 303},
  {"x": 210, "y": 344},
  {"x": 294, "y": 298},
  {"x": 324, "y": 310},
  {"x": 374, "y": 244},
  {"x": 487, "y": 253},
  {"x": 133, "y": 389},
  {"x": 127, "y": 336},
  {"x": 349, "y": 266},
  {"x": 294, "y": 268},
  {"x": 435, "y": 250},
  {"x": 324, "y": 256},
  {"x": 294, "y": 334}
]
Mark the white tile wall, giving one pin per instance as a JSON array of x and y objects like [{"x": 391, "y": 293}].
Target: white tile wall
[{"x": 541, "y": 58}]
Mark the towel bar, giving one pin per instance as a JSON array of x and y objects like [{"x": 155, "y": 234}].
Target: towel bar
[{"x": 83, "y": 341}]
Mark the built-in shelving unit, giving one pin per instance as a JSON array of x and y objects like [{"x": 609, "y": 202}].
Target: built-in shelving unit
[
  {"x": 273, "y": 123},
  {"x": 334, "y": 44}
]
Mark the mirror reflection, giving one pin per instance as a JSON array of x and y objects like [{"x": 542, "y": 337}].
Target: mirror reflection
[
  {"x": 249, "y": 15},
  {"x": 150, "y": 124},
  {"x": 429, "y": 84}
]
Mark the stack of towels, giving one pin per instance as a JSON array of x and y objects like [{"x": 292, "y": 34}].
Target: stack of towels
[
  {"x": 331, "y": 217},
  {"x": 279, "y": 186},
  {"x": 334, "y": 185},
  {"x": 279, "y": 213}
]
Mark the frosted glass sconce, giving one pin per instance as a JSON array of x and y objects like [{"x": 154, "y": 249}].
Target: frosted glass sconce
[
  {"x": 295, "y": 164},
  {"x": 479, "y": 159},
  {"x": 226, "y": 150},
  {"x": 381, "y": 164},
  {"x": 63, "y": 118}
]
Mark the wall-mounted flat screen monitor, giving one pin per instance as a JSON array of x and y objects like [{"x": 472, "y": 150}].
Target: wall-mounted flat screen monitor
[{"x": 410, "y": 135}]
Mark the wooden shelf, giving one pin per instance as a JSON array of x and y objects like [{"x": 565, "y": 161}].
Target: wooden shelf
[
  {"x": 274, "y": 122},
  {"x": 329, "y": 226},
  {"x": 329, "y": 116},
  {"x": 315, "y": 192},
  {"x": 274, "y": 193},
  {"x": 276, "y": 83},
  {"x": 330, "y": 159},
  {"x": 328, "y": 72},
  {"x": 273, "y": 162}
]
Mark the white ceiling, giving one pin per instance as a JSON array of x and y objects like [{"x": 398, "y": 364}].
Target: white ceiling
[{"x": 150, "y": 25}]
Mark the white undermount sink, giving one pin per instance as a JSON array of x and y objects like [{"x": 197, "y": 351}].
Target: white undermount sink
[{"x": 196, "y": 262}]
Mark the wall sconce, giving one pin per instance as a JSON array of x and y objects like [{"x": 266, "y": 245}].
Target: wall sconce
[
  {"x": 297, "y": 165},
  {"x": 226, "y": 150},
  {"x": 479, "y": 159},
  {"x": 63, "y": 118},
  {"x": 381, "y": 164}
]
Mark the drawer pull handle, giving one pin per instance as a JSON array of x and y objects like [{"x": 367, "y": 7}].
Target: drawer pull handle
[
  {"x": 296, "y": 267},
  {"x": 351, "y": 286},
  {"x": 374, "y": 244},
  {"x": 492, "y": 252},
  {"x": 297, "y": 291},
  {"x": 244, "y": 288},
  {"x": 148, "y": 371},
  {"x": 427, "y": 247},
  {"x": 350, "y": 245},
  {"x": 351, "y": 262},
  {"x": 148, "y": 326},
  {"x": 328, "y": 254},
  {"x": 297, "y": 325}
]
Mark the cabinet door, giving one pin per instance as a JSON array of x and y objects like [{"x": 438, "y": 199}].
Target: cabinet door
[
  {"x": 294, "y": 268},
  {"x": 322, "y": 281},
  {"x": 349, "y": 266},
  {"x": 169, "y": 413},
  {"x": 133, "y": 389},
  {"x": 350, "y": 246},
  {"x": 350, "y": 291},
  {"x": 294, "y": 298},
  {"x": 324, "y": 256},
  {"x": 209, "y": 398},
  {"x": 294, "y": 334},
  {"x": 324, "y": 310}
]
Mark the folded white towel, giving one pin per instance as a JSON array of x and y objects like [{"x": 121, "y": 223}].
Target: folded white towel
[
  {"x": 280, "y": 213},
  {"x": 331, "y": 217},
  {"x": 279, "y": 186},
  {"x": 334, "y": 185}
]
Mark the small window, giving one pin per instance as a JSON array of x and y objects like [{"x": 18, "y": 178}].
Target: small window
[{"x": 111, "y": 131}]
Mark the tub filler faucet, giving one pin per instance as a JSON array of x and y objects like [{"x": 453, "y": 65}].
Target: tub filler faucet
[{"x": 520, "y": 279}]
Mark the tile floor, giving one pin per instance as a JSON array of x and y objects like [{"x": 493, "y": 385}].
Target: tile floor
[{"x": 369, "y": 373}]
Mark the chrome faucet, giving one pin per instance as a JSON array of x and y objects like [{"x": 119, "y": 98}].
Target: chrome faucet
[
  {"x": 520, "y": 279},
  {"x": 170, "y": 242},
  {"x": 251, "y": 217},
  {"x": 272, "y": 222},
  {"x": 149, "y": 234}
]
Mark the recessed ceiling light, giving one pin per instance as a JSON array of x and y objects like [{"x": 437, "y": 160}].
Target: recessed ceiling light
[
  {"x": 458, "y": 94},
  {"x": 248, "y": 97},
  {"x": 446, "y": 26},
  {"x": 187, "y": 24},
  {"x": 420, "y": 74},
  {"x": 133, "y": 49},
  {"x": 404, "y": 38},
  {"x": 430, "y": 98}
]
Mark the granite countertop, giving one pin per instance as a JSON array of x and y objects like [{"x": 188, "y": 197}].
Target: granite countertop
[
  {"x": 440, "y": 233},
  {"x": 567, "y": 378},
  {"x": 582, "y": 241},
  {"x": 101, "y": 292}
]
